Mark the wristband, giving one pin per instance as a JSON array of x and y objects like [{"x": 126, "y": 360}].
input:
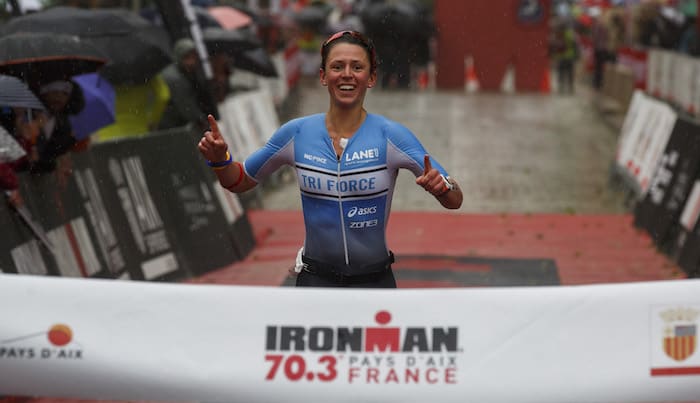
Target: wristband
[
  {"x": 241, "y": 176},
  {"x": 448, "y": 185},
  {"x": 221, "y": 164}
]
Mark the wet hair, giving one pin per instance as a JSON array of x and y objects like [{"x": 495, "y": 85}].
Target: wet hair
[{"x": 351, "y": 37}]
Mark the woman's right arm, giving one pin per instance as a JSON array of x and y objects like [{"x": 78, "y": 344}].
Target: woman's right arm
[{"x": 214, "y": 149}]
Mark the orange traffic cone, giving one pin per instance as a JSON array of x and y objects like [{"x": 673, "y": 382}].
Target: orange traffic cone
[
  {"x": 470, "y": 78},
  {"x": 423, "y": 79},
  {"x": 545, "y": 85}
]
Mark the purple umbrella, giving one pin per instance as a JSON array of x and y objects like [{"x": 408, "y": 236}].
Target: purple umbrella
[{"x": 99, "y": 105}]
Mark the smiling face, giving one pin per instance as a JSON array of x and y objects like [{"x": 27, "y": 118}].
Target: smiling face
[{"x": 347, "y": 74}]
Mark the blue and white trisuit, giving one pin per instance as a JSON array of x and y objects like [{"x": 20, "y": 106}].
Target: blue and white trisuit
[{"x": 346, "y": 200}]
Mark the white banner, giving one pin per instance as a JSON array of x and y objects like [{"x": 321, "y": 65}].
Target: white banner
[
  {"x": 106, "y": 339},
  {"x": 684, "y": 85},
  {"x": 654, "y": 72}
]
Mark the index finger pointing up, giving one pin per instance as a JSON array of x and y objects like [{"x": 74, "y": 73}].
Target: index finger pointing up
[
  {"x": 214, "y": 127},
  {"x": 428, "y": 165}
]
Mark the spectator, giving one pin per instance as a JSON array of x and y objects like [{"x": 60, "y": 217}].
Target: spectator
[
  {"x": 61, "y": 98},
  {"x": 689, "y": 42},
  {"x": 185, "y": 104},
  {"x": 221, "y": 66},
  {"x": 565, "y": 53},
  {"x": 393, "y": 49},
  {"x": 138, "y": 109},
  {"x": 9, "y": 183},
  {"x": 24, "y": 126},
  {"x": 601, "y": 53}
]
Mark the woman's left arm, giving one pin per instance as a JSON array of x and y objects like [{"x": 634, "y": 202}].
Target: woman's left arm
[
  {"x": 452, "y": 198},
  {"x": 445, "y": 189}
]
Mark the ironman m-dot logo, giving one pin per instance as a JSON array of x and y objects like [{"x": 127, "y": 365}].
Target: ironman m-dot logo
[{"x": 363, "y": 354}]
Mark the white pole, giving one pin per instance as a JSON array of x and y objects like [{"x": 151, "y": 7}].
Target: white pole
[{"x": 196, "y": 32}]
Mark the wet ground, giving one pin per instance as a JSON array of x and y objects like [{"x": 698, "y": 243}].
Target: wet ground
[
  {"x": 539, "y": 208},
  {"x": 511, "y": 153}
]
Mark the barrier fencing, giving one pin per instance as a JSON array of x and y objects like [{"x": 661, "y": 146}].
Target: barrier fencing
[
  {"x": 658, "y": 156},
  {"x": 144, "y": 208},
  {"x": 140, "y": 208}
]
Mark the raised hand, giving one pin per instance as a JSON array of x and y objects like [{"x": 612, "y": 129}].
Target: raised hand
[
  {"x": 431, "y": 180},
  {"x": 212, "y": 145}
]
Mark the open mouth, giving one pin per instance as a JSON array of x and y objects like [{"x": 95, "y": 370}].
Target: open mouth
[{"x": 346, "y": 87}]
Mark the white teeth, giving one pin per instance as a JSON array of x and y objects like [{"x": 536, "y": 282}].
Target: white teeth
[{"x": 347, "y": 87}]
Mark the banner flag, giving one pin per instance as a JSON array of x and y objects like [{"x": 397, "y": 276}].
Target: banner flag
[
  {"x": 133, "y": 340},
  {"x": 659, "y": 211}
]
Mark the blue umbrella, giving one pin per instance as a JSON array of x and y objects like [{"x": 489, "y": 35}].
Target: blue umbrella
[{"x": 99, "y": 105}]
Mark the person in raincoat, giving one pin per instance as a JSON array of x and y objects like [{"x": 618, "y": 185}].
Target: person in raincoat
[
  {"x": 565, "y": 52},
  {"x": 185, "y": 105}
]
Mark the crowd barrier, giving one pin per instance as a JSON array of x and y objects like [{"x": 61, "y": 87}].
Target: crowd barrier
[
  {"x": 658, "y": 157},
  {"x": 636, "y": 61},
  {"x": 674, "y": 77},
  {"x": 658, "y": 145},
  {"x": 665, "y": 74},
  {"x": 143, "y": 208},
  {"x": 140, "y": 341}
]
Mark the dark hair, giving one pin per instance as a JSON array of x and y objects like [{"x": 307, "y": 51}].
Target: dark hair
[{"x": 352, "y": 37}]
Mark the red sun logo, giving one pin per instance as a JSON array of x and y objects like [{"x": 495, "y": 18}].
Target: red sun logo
[{"x": 60, "y": 335}]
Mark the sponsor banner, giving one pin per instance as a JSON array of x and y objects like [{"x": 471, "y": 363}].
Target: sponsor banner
[
  {"x": 666, "y": 78},
  {"x": 130, "y": 188},
  {"x": 691, "y": 211},
  {"x": 190, "y": 208},
  {"x": 636, "y": 60},
  {"x": 643, "y": 139},
  {"x": 647, "y": 141},
  {"x": 241, "y": 126},
  {"x": 687, "y": 246},
  {"x": 654, "y": 72},
  {"x": 630, "y": 130},
  {"x": 684, "y": 81},
  {"x": 659, "y": 211},
  {"x": 176, "y": 342},
  {"x": 21, "y": 251},
  {"x": 144, "y": 208}
]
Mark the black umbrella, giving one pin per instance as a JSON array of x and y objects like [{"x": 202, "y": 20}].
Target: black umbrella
[
  {"x": 137, "y": 49},
  {"x": 43, "y": 57},
  {"x": 374, "y": 16},
  {"x": 400, "y": 18},
  {"x": 15, "y": 93},
  {"x": 232, "y": 43},
  {"x": 256, "y": 61},
  {"x": 312, "y": 16}
]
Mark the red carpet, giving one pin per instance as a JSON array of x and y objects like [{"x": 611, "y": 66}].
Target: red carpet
[{"x": 586, "y": 249}]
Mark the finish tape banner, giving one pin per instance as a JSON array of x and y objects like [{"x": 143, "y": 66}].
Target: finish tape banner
[{"x": 130, "y": 340}]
